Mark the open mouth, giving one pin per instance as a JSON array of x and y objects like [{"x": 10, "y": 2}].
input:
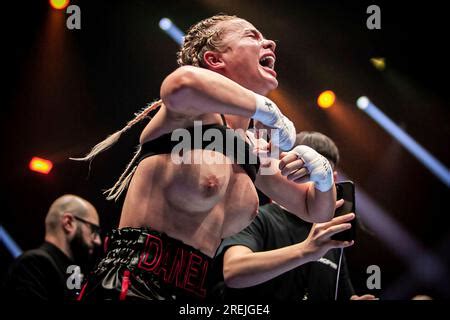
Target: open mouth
[{"x": 267, "y": 62}]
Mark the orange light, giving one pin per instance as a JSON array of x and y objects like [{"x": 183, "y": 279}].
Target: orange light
[
  {"x": 40, "y": 165},
  {"x": 59, "y": 4},
  {"x": 326, "y": 99}
]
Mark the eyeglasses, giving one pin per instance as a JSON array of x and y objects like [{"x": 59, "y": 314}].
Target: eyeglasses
[{"x": 95, "y": 229}]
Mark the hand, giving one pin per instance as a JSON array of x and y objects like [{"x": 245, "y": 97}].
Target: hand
[
  {"x": 260, "y": 147},
  {"x": 319, "y": 239},
  {"x": 304, "y": 164},
  {"x": 364, "y": 297}
]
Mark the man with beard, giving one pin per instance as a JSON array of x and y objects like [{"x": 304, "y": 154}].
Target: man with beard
[{"x": 51, "y": 272}]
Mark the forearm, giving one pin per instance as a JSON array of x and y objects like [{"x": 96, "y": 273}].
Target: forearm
[
  {"x": 314, "y": 201},
  {"x": 252, "y": 268},
  {"x": 321, "y": 205},
  {"x": 289, "y": 195},
  {"x": 300, "y": 199},
  {"x": 194, "y": 91}
]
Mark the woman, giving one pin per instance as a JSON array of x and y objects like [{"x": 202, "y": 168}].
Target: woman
[{"x": 175, "y": 215}]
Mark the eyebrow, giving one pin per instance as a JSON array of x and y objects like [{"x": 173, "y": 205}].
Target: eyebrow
[{"x": 254, "y": 31}]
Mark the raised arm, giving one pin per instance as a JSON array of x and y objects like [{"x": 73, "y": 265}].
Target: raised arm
[{"x": 194, "y": 91}]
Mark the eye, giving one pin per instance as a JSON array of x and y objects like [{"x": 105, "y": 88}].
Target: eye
[{"x": 253, "y": 35}]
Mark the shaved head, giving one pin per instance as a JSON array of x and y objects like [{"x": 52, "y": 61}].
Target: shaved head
[{"x": 68, "y": 203}]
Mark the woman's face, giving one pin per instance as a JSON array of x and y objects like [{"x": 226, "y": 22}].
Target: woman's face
[{"x": 249, "y": 58}]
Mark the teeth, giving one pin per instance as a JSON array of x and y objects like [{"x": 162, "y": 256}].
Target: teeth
[{"x": 270, "y": 60}]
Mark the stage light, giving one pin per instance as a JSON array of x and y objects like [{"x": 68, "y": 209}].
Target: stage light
[
  {"x": 379, "y": 63},
  {"x": 40, "y": 165},
  {"x": 326, "y": 99},
  {"x": 165, "y": 24},
  {"x": 59, "y": 4},
  {"x": 362, "y": 102},
  {"x": 172, "y": 30},
  {"x": 426, "y": 158}
]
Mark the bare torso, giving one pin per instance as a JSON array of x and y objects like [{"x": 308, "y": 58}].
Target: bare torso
[{"x": 198, "y": 204}]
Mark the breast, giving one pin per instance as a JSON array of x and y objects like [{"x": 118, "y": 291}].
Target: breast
[
  {"x": 224, "y": 185},
  {"x": 200, "y": 183},
  {"x": 241, "y": 202}
]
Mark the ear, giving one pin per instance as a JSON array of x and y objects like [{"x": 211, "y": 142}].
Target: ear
[
  {"x": 213, "y": 60},
  {"x": 335, "y": 175},
  {"x": 68, "y": 223}
]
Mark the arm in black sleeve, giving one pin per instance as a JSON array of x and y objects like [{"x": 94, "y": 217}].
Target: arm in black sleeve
[{"x": 28, "y": 279}]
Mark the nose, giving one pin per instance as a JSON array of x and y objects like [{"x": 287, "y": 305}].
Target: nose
[{"x": 269, "y": 44}]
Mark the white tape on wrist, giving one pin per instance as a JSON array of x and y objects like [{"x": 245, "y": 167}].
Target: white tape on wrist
[
  {"x": 268, "y": 113},
  {"x": 320, "y": 171},
  {"x": 266, "y": 110}
]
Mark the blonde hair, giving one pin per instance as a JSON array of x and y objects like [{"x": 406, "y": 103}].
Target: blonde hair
[
  {"x": 114, "y": 192},
  {"x": 200, "y": 38}
]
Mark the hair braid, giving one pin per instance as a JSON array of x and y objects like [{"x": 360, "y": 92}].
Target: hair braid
[
  {"x": 112, "y": 139},
  {"x": 201, "y": 37}
]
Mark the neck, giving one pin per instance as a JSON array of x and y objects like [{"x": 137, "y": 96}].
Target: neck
[{"x": 60, "y": 243}]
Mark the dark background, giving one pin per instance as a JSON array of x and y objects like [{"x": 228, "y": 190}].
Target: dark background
[{"x": 65, "y": 90}]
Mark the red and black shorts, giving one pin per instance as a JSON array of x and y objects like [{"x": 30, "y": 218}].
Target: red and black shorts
[{"x": 143, "y": 264}]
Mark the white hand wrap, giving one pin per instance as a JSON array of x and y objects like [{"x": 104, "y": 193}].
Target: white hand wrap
[
  {"x": 267, "y": 113},
  {"x": 319, "y": 168}
]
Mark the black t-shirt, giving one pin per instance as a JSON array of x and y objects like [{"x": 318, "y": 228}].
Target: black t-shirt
[
  {"x": 39, "y": 275},
  {"x": 274, "y": 228}
]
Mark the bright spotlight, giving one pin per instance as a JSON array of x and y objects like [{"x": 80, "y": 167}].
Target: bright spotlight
[
  {"x": 326, "y": 99},
  {"x": 59, "y": 4},
  {"x": 362, "y": 102},
  {"x": 172, "y": 30},
  {"x": 40, "y": 165},
  {"x": 165, "y": 24}
]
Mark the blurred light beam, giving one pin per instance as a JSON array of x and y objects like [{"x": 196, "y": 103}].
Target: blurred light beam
[
  {"x": 172, "y": 30},
  {"x": 427, "y": 159},
  {"x": 9, "y": 243},
  {"x": 396, "y": 238}
]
